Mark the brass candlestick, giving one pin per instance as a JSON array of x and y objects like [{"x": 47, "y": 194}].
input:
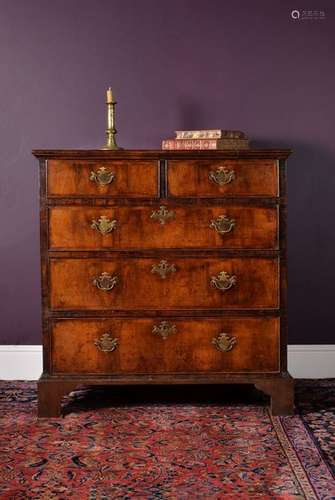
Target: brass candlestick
[{"x": 111, "y": 130}]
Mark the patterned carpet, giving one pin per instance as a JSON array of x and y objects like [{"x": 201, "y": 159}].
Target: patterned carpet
[{"x": 167, "y": 443}]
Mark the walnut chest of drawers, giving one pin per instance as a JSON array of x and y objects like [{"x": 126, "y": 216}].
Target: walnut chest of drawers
[{"x": 162, "y": 267}]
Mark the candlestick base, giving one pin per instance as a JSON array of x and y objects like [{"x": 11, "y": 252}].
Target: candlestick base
[
  {"x": 111, "y": 143},
  {"x": 113, "y": 147}
]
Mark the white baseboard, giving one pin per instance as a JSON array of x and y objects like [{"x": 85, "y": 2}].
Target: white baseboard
[
  {"x": 304, "y": 361},
  {"x": 20, "y": 362},
  {"x": 311, "y": 361}
]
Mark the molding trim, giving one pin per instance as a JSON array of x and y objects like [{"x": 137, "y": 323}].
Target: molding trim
[
  {"x": 311, "y": 361},
  {"x": 20, "y": 362},
  {"x": 24, "y": 362}
]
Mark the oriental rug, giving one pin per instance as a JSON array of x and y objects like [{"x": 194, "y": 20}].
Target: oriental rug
[{"x": 114, "y": 448}]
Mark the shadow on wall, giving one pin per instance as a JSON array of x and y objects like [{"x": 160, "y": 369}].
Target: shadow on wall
[{"x": 311, "y": 240}]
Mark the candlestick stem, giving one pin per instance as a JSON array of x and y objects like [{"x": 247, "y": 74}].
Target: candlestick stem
[{"x": 111, "y": 130}]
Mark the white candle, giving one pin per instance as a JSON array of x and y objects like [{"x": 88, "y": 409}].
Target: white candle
[{"x": 109, "y": 95}]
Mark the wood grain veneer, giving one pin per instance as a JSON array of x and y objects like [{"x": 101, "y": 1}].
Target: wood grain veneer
[
  {"x": 72, "y": 287},
  {"x": 131, "y": 178},
  {"x": 70, "y": 228},
  {"x": 189, "y": 349},
  {"x": 251, "y": 178},
  {"x": 76, "y": 314}
]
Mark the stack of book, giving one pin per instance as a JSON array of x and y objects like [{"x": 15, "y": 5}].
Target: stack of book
[{"x": 207, "y": 139}]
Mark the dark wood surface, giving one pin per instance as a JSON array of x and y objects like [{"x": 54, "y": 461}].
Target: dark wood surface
[
  {"x": 149, "y": 154},
  {"x": 51, "y": 389},
  {"x": 189, "y": 348},
  {"x": 70, "y": 228},
  {"x": 255, "y": 251}
]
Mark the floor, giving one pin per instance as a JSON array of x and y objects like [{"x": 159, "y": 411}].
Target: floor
[{"x": 168, "y": 443}]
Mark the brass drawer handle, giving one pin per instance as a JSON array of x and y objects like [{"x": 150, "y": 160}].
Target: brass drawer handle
[
  {"x": 224, "y": 343},
  {"x": 222, "y": 225},
  {"x": 164, "y": 329},
  {"x": 106, "y": 343},
  {"x": 221, "y": 176},
  {"x": 105, "y": 282},
  {"x": 163, "y": 215},
  {"x": 223, "y": 281},
  {"x": 102, "y": 176},
  {"x": 104, "y": 225},
  {"x": 163, "y": 268}
]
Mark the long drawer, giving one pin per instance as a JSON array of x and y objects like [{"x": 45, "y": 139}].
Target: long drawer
[
  {"x": 216, "y": 178},
  {"x": 173, "y": 283},
  {"x": 99, "y": 346},
  {"x": 143, "y": 227},
  {"x": 105, "y": 178}
]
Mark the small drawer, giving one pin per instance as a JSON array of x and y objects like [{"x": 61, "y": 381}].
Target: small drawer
[
  {"x": 165, "y": 283},
  {"x": 222, "y": 178},
  {"x": 135, "y": 178},
  {"x": 105, "y": 346},
  {"x": 143, "y": 227}
]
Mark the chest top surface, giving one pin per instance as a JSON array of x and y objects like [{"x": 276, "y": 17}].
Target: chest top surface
[{"x": 160, "y": 154}]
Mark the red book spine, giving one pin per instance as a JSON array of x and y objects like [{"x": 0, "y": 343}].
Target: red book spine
[
  {"x": 204, "y": 144},
  {"x": 189, "y": 144}
]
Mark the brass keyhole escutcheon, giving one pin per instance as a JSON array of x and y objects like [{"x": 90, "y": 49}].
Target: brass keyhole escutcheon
[
  {"x": 163, "y": 215},
  {"x": 164, "y": 329},
  {"x": 163, "y": 268}
]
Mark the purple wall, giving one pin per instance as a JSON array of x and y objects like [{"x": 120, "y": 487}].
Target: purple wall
[{"x": 172, "y": 64}]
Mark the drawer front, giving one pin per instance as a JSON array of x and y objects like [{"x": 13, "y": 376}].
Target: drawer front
[
  {"x": 158, "y": 346},
  {"x": 183, "y": 227},
  {"x": 216, "y": 178},
  {"x": 103, "y": 178},
  {"x": 163, "y": 283}
]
